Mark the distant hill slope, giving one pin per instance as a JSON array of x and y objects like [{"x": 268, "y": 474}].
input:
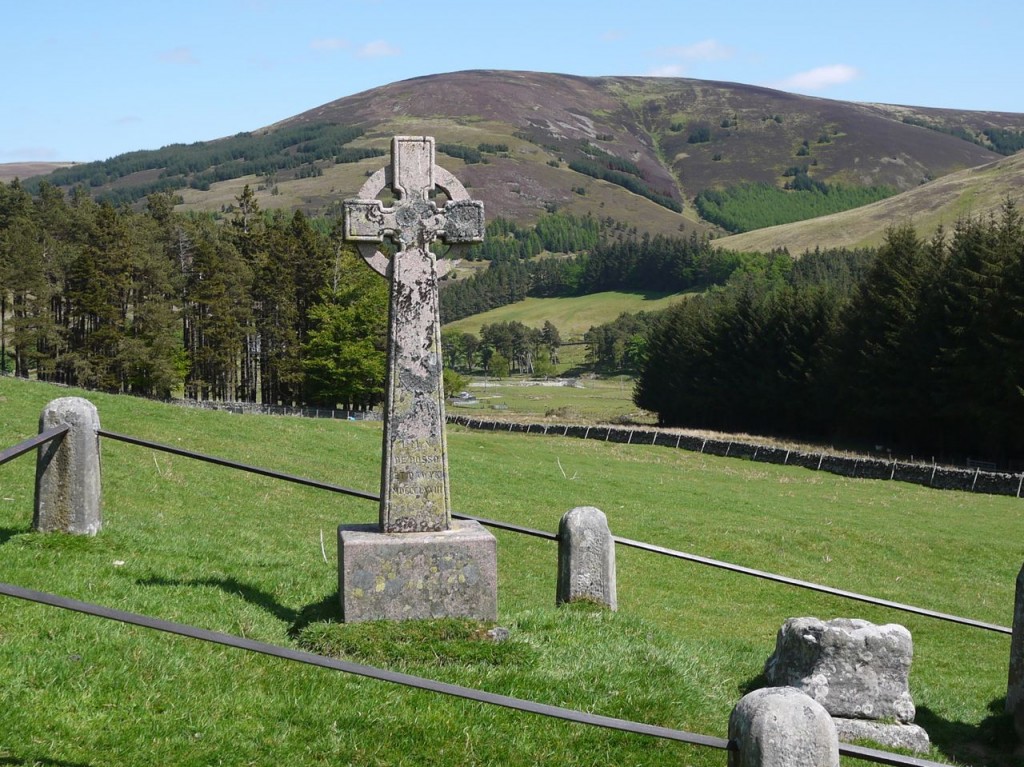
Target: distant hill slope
[
  {"x": 972, "y": 192},
  {"x": 23, "y": 170},
  {"x": 521, "y": 140}
]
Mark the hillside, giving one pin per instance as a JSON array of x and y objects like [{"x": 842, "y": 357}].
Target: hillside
[
  {"x": 971, "y": 192},
  {"x": 517, "y": 133},
  {"x": 23, "y": 170},
  {"x": 572, "y": 315}
]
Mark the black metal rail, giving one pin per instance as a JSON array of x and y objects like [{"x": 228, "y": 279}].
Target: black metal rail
[
  {"x": 554, "y": 537},
  {"x": 813, "y": 586},
  {"x": 239, "y": 466},
  {"x": 422, "y": 683},
  {"x": 47, "y": 435},
  {"x": 407, "y": 680}
]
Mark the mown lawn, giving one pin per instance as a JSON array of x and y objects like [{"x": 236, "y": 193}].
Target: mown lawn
[{"x": 242, "y": 554}]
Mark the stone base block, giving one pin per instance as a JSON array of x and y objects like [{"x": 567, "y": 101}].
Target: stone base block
[
  {"x": 402, "y": 576},
  {"x": 908, "y": 736}
]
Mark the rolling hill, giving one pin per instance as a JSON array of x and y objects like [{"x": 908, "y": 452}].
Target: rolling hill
[
  {"x": 527, "y": 142},
  {"x": 23, "y": 170},
  {"x": 972, "y": 192}
]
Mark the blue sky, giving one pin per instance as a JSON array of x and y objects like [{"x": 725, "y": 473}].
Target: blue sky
[{"x": 89, "y": 80}]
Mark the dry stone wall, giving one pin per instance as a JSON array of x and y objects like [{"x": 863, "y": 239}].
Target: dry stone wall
[{"x": 929, "y": 475}]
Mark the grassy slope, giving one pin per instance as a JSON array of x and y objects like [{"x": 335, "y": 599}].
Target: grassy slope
[
  {"x": 572, "y": 316},
  {"x": 241, "y": 554},
  {"x": 973, "y": 192}
]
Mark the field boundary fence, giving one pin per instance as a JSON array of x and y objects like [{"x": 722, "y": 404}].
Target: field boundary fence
[{"x": 935, "y": 475}]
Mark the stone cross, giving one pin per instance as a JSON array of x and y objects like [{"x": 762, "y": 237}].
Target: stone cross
[{"x": 415, "y": 495}]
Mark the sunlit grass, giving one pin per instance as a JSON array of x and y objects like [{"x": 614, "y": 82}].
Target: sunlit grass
[{"x": 239, "y": 553}]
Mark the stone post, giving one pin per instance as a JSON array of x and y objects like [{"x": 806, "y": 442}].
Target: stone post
[
  {"x": 1015, "y": 682},
  {"x": 782, "y": 727},
  {"x": 586, "y": 558},
  {"x": 68, "y": 470}
]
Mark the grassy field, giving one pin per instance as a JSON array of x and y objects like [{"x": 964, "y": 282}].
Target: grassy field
[
  {"x": 592, "y": 400},
  {"x": 572, "y": 316},
  {"x": 237, "y": 553}
]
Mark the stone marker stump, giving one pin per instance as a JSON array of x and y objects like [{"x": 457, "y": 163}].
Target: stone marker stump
[
  {"x": 1015, "y": 680},
  {"x": 782, "y": 727},
  {"x": 68, "y": 470},
  {"x": 417, "y": 563},
  {"x": 857, "y": 670},
  {"x": 586, "y": 558}
]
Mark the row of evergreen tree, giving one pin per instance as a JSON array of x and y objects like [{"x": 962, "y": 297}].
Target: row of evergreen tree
[
  {"x": 918, "y": 349},
  {"x": 263, "y": 308},
  {"x": 619, "y": 260}
]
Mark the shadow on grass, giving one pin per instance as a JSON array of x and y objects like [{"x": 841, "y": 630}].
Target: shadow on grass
[
  {"x": 992, "y": 743},
  {"x": 754, "y": 683},
  {"x": 326, "y": 609},
  {"x": 44, "y": 762},
  {"x": 6, "y": 533}
]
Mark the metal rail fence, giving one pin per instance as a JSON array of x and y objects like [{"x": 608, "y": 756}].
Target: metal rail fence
[{"x": 581, "y": 717}]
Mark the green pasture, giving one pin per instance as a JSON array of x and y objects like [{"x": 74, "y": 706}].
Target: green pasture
[
  {"x": 590, "y": 399},
  {"x": 573, "y": 316},
  {"x": 255, "y": 557}
]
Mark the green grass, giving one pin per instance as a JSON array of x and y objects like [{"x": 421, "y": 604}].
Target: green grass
[
  {"x": 572, "y": 316},
  {"x": 203, "y": 545},
  {"x": 594, "y": 399}
]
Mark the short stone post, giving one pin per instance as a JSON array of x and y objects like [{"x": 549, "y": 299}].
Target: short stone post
[
  {"x": 68, "y": 470},
  {"x": 586, "y": 558},
  {"x": 782, "y": 727},
  {"x": 1015, "y": 682}
]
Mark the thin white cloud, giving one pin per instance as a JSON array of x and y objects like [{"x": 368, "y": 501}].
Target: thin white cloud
[
  {"x": 668, "y": 70},
  {"x": 819, "y": 79},
  {"x": 329, "y": 44},
  {"x": 180, "y": 55},
  {"x": 128, "y": 120},
  {"x": 612, "y": 36},
  {"x": 705, "y": 50},
  {"x": 377, "y": 49}
]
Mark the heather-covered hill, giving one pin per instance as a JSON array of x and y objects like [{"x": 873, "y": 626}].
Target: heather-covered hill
[{"x": 638, "y": 149}]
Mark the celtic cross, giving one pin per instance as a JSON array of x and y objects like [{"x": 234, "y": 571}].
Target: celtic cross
[{"x": 415, "y": 494}]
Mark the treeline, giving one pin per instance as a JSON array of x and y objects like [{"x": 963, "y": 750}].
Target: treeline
[
  {"x": 471, "y": 155},
  {"x": 745, "y": 207},
  {"x": 620, "y": 260},
  {"x": 263, "y": 308},
  {"x": 921, "y": 354},
  {"x": 205, "y": 162},
  {"x": 600, "y": 164},
  {"x": 1005, "y": 141},
  {"x": 554, "y": 232},
  {"x": 504, "y": 348}
]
